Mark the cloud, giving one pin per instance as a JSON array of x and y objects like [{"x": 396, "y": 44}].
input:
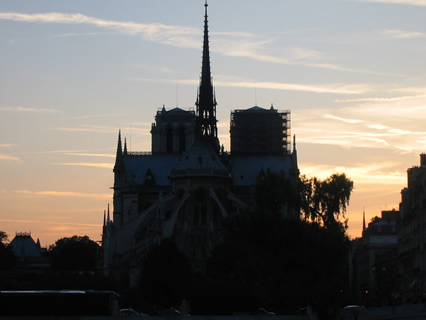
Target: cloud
[
  {"x": 90, "y": 116},
  {"x": 325, "y": 88},
  {"x": 26, "y": 109},
  {"x": 6, "y": 157},
  {"x": 353, "y": 121},
  {"x": 393, "y": 124},
  {"x": 235, "y": 44},
  {"x": 383, "y": 99},
  {"x": 87, "y": 128},
  {"x": 86, "y": 164},
  {"x": 51, "y": 222},
  {"x": 157, "y": 32},
  {"x": 407, "y": 2},
  {"x": 335, "y": 88},
  {"x": 366, "y": 173},
  {"x": 400, "y": 34},
  {"x": 107, "y": 155},
  {"x": 67, "y": 194}
]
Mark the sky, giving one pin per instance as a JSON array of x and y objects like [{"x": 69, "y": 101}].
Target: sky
[{"x": 73, "y": 73}]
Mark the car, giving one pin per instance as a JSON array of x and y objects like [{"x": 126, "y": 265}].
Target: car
[
  {"x": 169, "y": 312},
  {"x": 130, "y": 312},
  {"x": 263, "y": 311}
]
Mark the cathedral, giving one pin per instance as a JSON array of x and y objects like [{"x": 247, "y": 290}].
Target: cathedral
[{"x": 187, "y": 185}]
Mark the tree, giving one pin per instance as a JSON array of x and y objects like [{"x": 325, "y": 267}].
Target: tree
[
  {"x": 277, "y": 194},
  {"x": 166, "y": 275},
  {"x": 325, "y": 201},
  {"x": 75, "y": 253},
  {"x": 287, "y": 262},
  {"x": 7, "y": 257}
]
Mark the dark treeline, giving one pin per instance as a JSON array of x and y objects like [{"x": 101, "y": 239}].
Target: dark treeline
[{"x": 290, "y": 251}]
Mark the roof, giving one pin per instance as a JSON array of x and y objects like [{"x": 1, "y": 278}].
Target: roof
[
  {"x": 161, "y": 165},
  {"x": 179, "y": 111},
  {"x": 245, "y": 169},
  {"x": 200, "y": 159},
  {"x": 23, "y": 246}
]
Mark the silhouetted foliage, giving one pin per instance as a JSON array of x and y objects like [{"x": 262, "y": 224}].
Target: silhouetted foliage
[
  {"x": 7, "y": 258},
  {"x": 285, "y": 262},
  {"x": 325, "y": 201},
  {"x": 75, "y": 253},
  {"x": 166, "y": 276},
  {"x": 277, "y": 194}
]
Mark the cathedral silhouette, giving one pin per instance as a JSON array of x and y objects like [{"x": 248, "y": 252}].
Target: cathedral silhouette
[{"x": 187, "y": 185}]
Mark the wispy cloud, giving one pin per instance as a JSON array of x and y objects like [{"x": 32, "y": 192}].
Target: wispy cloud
[
  {"x": 383, "y": 99},
  {"x": 26, "y": 109},
  {"x": 9, "y": 158},
  {"x": 105, "y": 155},
  {"x": 353, "y": 121},
  {"x": 90, "y": 116},
  {"x": 391, "y": 123},
  {"x": 407, "y": 2},
  {"x": 366, "y": 173},
  {"x": 85, "y": 164},
  {"x": 67, "y": 194},
  {"x": 401, "y": 34},
  {"x": 336, "y": 88},
  {"x": 87, "y": 128},
  {"x": 236, "y": 44},
  {"x": 51, "y": 222}
]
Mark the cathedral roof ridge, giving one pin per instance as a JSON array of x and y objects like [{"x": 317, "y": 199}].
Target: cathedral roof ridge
[{"x": 200, "y": 159}]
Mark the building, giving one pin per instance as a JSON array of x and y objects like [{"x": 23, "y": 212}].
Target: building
[
  {"x": 260, "y": 131},
  {"x": 375, "y": 260},
  {"x": 411, "y": 234},
  {"x": 187, "y": 185},
  {"x": 28, "y": 253}
]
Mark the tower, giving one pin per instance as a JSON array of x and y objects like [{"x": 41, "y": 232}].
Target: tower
[{"x": 206, "y": 100}]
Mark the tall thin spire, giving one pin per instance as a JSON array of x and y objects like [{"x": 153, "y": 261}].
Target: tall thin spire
[
  {"x": 119, "y": 155},
  {"x": 206, "y": 100},
  {"x": 119, "y": 147},
  {"x": 363, "y": 221}
]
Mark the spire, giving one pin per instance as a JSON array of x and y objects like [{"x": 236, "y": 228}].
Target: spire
[
  {"x": 363, "y": 222},
  {"x": 108, "y": 216},
  {"x": 119, "y": 148},
  {"x": 125, "y": 147},
  {"x": 206, "y": 100},
  {"x": 104, "y": 218},
  {"x": 119, "y": 156}
]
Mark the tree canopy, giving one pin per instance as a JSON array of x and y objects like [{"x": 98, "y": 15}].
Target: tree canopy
[
  {"x": 166, "y": 275},
  {"x": 74, "y": 253},
  {"x": 287, "y": 261},
  {"x": 325, "y": 201},
  {"x": 7, "y": 258}
]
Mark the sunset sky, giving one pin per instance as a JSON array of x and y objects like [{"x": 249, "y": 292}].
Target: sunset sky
[{"x": 72, "y": 73}]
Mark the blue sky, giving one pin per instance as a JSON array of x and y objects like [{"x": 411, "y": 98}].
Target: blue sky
[{"x": 72, "y": 73}]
